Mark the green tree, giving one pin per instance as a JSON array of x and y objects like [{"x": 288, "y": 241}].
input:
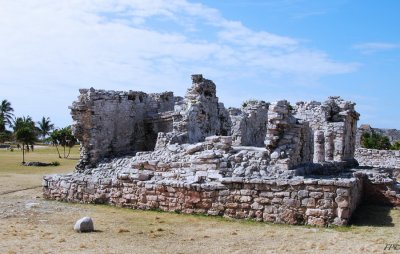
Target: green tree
[
  {"x": 395, "y": 146},
  {"x": 5, "y": 136},
  {"x": 55, "y": 140},
  {"x": 375, "y": 141},
  {"x": 44, "y": 127},
  {"x": 6, "y": 115},
  {"x": 25, "y": 133},
  {"x": 64, "y": 138},
  {"x": 20, "y": 122}
]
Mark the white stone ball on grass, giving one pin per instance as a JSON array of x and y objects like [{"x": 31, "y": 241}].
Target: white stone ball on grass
[{"x": 84, "y": 225}]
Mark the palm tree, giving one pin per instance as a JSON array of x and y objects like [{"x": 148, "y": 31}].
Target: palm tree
[
  {"x": 45, "y": 126},
  {"x": 25, "y": 132},
  {"x": 6, "y": 114},
  {"x": 20, "y": 122}
]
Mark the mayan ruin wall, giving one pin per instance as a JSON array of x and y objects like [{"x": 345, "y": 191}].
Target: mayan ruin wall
[{"x": 272, "y": 162}]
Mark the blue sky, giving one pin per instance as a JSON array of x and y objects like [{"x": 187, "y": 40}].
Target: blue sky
[{"x": 289, "y": 49}]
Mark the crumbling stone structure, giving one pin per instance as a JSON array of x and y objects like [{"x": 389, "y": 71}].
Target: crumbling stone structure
[
  {"x": 110, "y": 123},
  {"x": 266, "y": 161}
]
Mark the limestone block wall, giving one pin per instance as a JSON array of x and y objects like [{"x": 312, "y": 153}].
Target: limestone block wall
[
  {"x": 249, "y": 124},
  {"x": 287, "y": 140},
  {"x": 109, "y": 123},
  {"x": 378, "y": 158},
  {"x": 307, "y": 201}
]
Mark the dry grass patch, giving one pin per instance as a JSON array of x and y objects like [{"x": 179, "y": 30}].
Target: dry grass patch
[{"x": 120, "y": 230}]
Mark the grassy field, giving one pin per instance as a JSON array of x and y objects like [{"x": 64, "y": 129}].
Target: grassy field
[
  {"x": 30, "y": 224},
  {"x": 11, "y": 161},
  {"x": 15, "y": 176}
]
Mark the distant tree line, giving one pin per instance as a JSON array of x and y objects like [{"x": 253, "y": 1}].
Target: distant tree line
[
  {"x": 378, "y": 141},
  {"x": 25, "y": 132}
]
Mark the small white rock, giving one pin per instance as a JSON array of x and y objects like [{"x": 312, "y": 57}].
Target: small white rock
[
  {"x": 32, "y": 205},
  {"x": 83, "y": 225},
  {"x": 275, "y": 155}
]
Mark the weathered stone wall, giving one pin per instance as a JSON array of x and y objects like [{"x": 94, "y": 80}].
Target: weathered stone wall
[
  {"x": 200, "y": 114},
  {"x": 249, "y": 124},
  {"x": 378, "y": 158},
  {"x": 307, "y": 201},
  {"x": 286, "y": 139},
  {"x": 108, "y": 123}
]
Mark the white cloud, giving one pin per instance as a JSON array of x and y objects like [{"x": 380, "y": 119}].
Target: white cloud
[
  {"x": 374, "y": 47},
  {"x": 140, "y": 45}
]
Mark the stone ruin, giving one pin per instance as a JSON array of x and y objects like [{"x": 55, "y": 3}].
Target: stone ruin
[{"x": 269, "y": 162}]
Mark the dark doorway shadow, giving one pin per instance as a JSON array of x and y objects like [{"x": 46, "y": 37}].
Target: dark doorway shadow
[{"x": 372, "y": 215}]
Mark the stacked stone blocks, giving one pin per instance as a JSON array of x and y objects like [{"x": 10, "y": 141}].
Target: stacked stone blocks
[{"x": 310, "y": 201}]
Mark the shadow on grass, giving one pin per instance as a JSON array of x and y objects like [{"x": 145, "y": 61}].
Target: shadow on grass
[
  {"x": 372, "y": 215},
  {"x": 72, "y": 158},
  {"x": 94, "y": 231}
]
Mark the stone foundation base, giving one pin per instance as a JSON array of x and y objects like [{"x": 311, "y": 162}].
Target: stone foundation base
[{"x": 318, "y": 202}]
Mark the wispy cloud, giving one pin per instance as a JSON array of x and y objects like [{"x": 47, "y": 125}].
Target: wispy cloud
[
  {"x": 374, "y": 47},
  {"x": 153, "y": 45},
  {"x": 94, "y": 33}
]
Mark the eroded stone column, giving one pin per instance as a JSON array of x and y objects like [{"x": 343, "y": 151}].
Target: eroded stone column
[
  {"x": 339, "y": 147},
  {"x": 329, "y": 146},
  {"x": 319, "y": 147}
]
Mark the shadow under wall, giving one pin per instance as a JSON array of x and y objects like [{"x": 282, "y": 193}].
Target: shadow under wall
[
  {"x": 375, "y": 208},
  {"x": 372, "y": 215}
]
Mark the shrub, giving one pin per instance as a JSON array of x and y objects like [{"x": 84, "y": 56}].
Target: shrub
[
  {"x": 249, "y": 102},
  {"x": 396, "y": 145},
  {"x": 375, "y": 141},
  {"x": 5, "y": 136},
  {"x": 55, "y": 163}
]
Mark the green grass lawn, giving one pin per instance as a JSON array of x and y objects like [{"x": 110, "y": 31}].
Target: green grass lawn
[
  {"x": 14, "y": 176},
  {"x": 10, "y": 162}
]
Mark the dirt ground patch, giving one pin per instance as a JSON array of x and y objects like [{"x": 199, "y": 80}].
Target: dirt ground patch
[{"x": 30, "y": 224}]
